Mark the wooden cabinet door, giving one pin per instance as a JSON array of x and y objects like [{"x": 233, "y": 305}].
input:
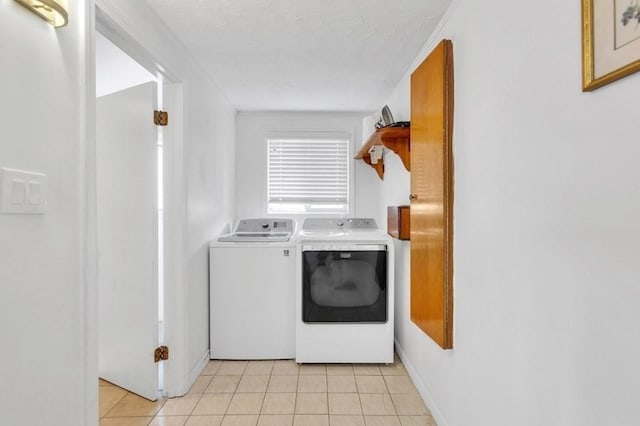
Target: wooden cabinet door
[{"x": 432, "y": 195}]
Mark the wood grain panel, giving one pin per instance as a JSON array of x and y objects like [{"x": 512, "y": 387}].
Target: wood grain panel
[
  {"x": 432, "y": 195},
  {"x": 399, "y": 222},
  {"x": 394, "y": 138}
]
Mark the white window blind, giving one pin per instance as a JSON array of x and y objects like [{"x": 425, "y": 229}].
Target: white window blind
[{"x": 308, "y": 174}]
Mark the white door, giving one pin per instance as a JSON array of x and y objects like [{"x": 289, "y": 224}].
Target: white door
[{"x": 128, "y": 239}]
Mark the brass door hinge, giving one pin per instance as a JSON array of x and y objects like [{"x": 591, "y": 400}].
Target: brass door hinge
[
  {"x": 160, "y": 118},
  {"x": 161, "y": 353}
]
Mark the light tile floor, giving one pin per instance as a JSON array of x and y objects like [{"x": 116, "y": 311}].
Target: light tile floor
[{"x": 278, "y": 393}]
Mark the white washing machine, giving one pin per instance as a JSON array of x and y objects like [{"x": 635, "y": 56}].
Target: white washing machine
[
  {"x": 252, "y": 291},
  {"x": 344, "y": 292}
]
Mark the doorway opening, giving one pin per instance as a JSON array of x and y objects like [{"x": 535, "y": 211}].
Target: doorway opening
[{"x": 130, "y": 221}]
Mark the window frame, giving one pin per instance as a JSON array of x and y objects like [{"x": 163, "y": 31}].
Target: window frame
[{"x": 293, "y": 135}]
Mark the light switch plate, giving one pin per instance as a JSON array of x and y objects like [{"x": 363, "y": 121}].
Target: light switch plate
[{"x": 22, "y": 192}]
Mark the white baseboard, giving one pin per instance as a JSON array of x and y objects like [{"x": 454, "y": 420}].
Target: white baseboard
[
  {"x": 197, "y": 370},
  {"x": 421, "y": 386}
]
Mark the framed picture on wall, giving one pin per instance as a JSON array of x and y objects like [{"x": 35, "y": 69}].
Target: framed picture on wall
[{"x": 610, "y": 41}]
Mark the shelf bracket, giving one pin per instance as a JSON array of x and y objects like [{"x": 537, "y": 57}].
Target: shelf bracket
[{"x": 396, "y": 139}]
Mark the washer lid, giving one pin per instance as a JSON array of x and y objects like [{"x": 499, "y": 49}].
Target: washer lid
[{"x": 258, "y": 230}]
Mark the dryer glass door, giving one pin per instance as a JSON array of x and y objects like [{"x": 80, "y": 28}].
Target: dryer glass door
[{"x": 344, "y": 284}]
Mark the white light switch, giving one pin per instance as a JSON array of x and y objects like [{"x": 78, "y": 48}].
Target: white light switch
[{"x": 22, "y": 192}]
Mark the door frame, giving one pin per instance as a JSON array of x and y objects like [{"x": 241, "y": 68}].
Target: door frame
[{"x": 174, "y": 373}]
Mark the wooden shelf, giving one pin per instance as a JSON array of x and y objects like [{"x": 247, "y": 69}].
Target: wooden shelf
[
  {"x": 396, "y": 139},
  {"x": 399, "y": 222}
]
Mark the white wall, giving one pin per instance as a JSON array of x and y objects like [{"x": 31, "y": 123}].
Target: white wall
[
  {"x": 43, "y": 324},
  {"x": 210, "y": 166},
  {"x": 546, "y": 229},
  {"x": 252, "y": 129},
  {"x": 115, "y": 70},
  {"x": 207, "y": 195}
]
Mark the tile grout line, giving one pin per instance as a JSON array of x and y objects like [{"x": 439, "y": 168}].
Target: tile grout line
[
  {"x": 201, "y": 395},
  {"x": 204, "y": 391},
  {"x": 270, "y": 377},
  {"x": 395, "y": 408},
  {"x": 196, "y": 404},
  {"x": 110, "y": 409},
  {"x": 295, "y": 398},
  {"x": 359, "y": 399}
]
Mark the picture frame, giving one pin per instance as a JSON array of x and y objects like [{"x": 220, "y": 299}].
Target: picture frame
[{"x": 610, "y": 41}]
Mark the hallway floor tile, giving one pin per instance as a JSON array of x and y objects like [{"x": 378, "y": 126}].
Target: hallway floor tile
[{"x": 277, "y": 393}]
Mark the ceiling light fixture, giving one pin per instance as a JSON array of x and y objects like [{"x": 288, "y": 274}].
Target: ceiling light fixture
[{"x": 52, "y": 11}]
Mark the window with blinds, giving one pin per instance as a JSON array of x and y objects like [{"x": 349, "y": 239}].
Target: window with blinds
[{"x": 308, "y": 174}]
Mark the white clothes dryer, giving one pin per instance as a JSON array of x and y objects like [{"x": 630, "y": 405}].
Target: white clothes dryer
[{"x": 344, "y": 292}]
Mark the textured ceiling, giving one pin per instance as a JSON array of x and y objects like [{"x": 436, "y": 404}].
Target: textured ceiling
[{"x": 332, "y": 55}]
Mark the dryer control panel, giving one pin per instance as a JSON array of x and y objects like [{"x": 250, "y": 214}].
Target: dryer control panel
[{"x": 350, "y": 224}]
